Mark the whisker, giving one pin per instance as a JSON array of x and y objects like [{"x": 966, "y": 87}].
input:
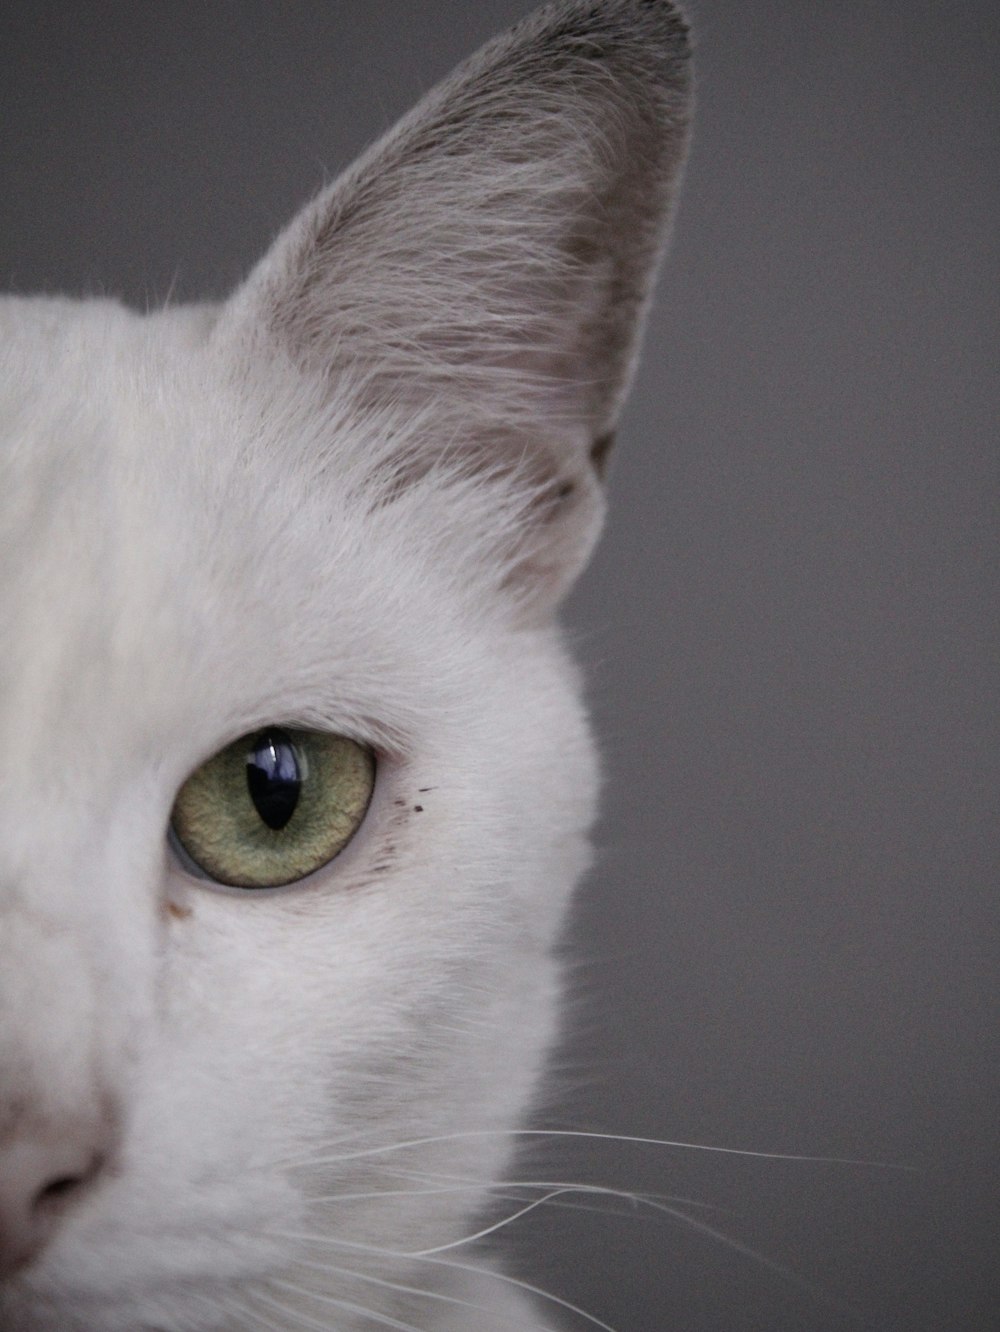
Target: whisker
[
  {"x": 240, "y": 1311},
  {"x": 770, "y": 1264},
  {"x": 492, "y": 1229},
  {"x": 472, "y": 1186},
  {"x": 286, "y": 1312},
  {"x": 518, "y": 1282},
  {"x": 396, "y": 1285},
  {"x": 387, "y": 1148},
  {"x": 555, "y": 1196},
  {"x": 486, "y": 1272},
  {"x": 556, "y": 1190},
  {"x": 624, "y": 1195},
  {"x": 383, "y": 1320}
]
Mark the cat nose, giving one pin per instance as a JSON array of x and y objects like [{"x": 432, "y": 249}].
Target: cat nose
[{"x": 43, "y": 1175}]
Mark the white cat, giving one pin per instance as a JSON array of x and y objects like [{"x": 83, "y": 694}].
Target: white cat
[{"x": 295, "y": 778}]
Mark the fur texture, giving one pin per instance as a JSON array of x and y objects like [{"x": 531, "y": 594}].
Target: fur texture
[{"x": 350, "y": 498}]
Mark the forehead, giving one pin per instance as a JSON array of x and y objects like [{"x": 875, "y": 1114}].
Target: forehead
[
  {"x": 91, "y": 474},
  {"x": 91, "y": 408},
  {"x": 151, "y": 564}
]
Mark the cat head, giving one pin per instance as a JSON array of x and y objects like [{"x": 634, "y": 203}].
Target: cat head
[{"x": 346, "y": 502}]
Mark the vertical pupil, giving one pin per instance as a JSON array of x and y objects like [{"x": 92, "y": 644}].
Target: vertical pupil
[{"x": 273, "y": 777}]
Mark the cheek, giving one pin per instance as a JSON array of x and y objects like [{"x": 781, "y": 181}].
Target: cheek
[
  {"x": 277, "y": 1002},
  {"x": 232, "y": 1058}
]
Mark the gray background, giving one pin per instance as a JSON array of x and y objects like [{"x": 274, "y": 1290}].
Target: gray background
[{"x": 790, "y": 943}]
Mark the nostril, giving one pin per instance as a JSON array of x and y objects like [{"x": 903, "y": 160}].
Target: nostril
[
  {"x": 34, "y": 1196},
  {"x": 57, "y": 1188},
  {"x": 58, "y": 1191}
]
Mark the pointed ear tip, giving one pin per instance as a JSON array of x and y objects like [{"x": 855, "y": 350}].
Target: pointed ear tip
[
  {"x": 672, "y": 19},
  {"x": 664, "y": 20},
  {"x": 675, "y": 35},
  {"x": 659, "y": 27}
]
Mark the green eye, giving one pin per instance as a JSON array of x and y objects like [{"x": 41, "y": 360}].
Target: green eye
[{"x": 274, "y": 806}]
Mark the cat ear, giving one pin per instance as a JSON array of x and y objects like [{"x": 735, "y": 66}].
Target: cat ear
[{"x": 486, "y": 267}]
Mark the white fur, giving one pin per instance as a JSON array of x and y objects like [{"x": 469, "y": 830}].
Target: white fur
[{"x": 214, "y": 519}]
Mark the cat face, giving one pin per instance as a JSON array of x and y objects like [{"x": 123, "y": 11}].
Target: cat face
[{"x": 346, "y": 502}]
